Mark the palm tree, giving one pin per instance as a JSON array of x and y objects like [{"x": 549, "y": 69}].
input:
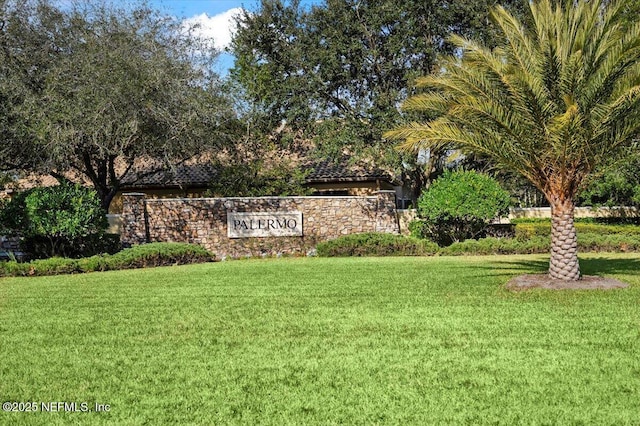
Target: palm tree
[{"x": 558, "y": 98}]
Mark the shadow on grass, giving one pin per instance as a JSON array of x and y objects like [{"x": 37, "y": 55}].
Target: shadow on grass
[{"x": 601, "y": 265}]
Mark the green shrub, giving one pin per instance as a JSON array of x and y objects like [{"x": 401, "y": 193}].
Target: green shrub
[
  {"x": 525, "y": 231},
  {"x": 63, "y": 220},
  {"x": 542, "y": 227},
  {"x": 487, "y": 246},
  {"x": 160, "y": 254},
  {"x": 254, "y": 179},
  {"x": 375, "y": 244},
  {"x": 501, "y": 230},
  {"x": 418, "y": 229},
  {"x": 616, "y": 186},
  {"x": 608, "y": 243},
  {"x": 459, "y": 205},
  {"x": 142, "y": 256},
  {"x": 396, "y": 245},
  {"x": 624, "y": 220},
  {"x": 88, "y": 245}
]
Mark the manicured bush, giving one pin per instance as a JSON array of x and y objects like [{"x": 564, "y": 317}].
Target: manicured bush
[
  {"x": 63, "y": 220},
  {"x": 459, "y": 205},
  {"x": 542, "y": 227},
  {"x": 525, "y": 231},
  {"x": 623, "y": 220},
  {"x": 159, "y": 254},
  {"x": 608, "y": 243},
  {"x": 142, "y": 256},
  {"x": 375, "y": 244},
  {"x": 397, "y": 245},
  {"x": 487, "y": 246}
]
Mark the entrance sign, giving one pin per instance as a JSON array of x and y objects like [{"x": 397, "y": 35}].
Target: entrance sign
[{"x": 271, "y": 224}]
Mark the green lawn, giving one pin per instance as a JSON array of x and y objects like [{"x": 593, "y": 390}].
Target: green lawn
[{"x": 324, "y": 341}]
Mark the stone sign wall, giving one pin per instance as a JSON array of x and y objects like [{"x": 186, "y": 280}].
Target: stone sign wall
[{"x": 238, "y": 227}]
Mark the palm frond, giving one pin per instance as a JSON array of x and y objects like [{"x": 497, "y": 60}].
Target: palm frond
[{"x": 551, "y": 102}]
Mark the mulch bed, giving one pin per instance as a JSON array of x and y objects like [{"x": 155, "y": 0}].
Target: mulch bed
[{"x": 587, "y": 282}]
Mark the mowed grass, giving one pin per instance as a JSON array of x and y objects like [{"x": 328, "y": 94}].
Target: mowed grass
[{"x": 324, "y": 341}]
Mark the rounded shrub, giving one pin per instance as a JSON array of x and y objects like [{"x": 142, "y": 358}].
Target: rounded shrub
[
  {"x": 63, "y": 220},
  {"x": 459, "y": 206}
]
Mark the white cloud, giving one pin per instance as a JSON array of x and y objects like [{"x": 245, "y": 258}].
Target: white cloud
[{"x": 218, "y": 27}]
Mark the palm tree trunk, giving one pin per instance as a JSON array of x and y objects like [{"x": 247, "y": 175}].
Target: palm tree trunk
[{"x": 564, "y": 243}]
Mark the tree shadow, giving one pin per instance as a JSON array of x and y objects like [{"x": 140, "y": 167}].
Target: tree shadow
[{"x": 601, "y": 265}]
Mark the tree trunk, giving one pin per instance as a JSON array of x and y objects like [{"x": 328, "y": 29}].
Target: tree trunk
[
  {"x": 106, "y": 198},
  {"x": 564, "y": 243}
]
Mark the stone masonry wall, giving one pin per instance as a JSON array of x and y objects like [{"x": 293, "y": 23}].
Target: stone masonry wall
[{"x": 204, "y": 221}]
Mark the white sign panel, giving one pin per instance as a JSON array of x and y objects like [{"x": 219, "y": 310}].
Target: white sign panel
[{"x": 275, "y": 224}]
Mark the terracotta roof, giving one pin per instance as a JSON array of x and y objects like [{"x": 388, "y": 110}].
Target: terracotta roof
[
  {"x": 343, "y": 171},
  {"x": 199, "y": 175},
  {"x": 28, "y": 182},
  {"x": 187, "y": 175}
]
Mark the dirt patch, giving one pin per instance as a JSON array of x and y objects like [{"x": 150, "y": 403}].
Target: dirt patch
[{"x": 587, "y": 282}]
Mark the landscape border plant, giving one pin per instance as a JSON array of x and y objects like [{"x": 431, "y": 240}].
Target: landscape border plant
[
  {"x": 141, "y": 256},
  {"x": 397, "y": 245},
  {"x": 459, "y": 205},
  {"x": 62, "y": 220},
  {"x": 376, "y": 244}
]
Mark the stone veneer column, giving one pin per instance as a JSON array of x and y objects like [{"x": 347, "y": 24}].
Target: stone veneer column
[
  {"x": 134, "y": 221},
  {"x": 386, "y": 217}
]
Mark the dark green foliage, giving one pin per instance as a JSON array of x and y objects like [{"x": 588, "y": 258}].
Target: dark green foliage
[
  {"x": 622, "y": 220},
  {"x": 375, "y": 244},
  {"x": 337, "y": 70},
  {"x": 102, "y": 85},
  {"x": 619, "y": 185},
  {"x": 609, "y": 243},
  {"x": 5, "y": 178},
  {"x": 599, "y": 240},
  {"x": 254, "y": 179},
  {"x": 64, "y": 210},
  {"x": 587, "y": 242},
  {"x": 418, "y": 229},
  {"x": 142, "y": 256},
  {"x": 488, "y": 246},
  {"x": 38, "y": 247},
  {"x": 459, "y": 206},
  {"x": 13, "y": 214},
  {"x": 159, "y": 254},
  {"x": 57, "y": 221},
  {"x": 501, "y": 230},
  {"x": 542, "y": 227}
]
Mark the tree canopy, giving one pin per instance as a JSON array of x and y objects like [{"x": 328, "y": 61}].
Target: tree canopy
[
  {"x": 338, "y": 70},
  {"x": 92, "y": 89},
  {"x": 557, "y": 98}
]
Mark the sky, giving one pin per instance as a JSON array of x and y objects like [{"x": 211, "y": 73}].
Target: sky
[{"x": 214, "y": 19}]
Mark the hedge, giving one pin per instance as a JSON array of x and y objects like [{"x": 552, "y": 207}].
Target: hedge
[
  {"x": 375, "y": 244},
  {"x": 397, "y": 245},
  {"x": 526, "y": 230},
  {"x": 142, "y": 256}
]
